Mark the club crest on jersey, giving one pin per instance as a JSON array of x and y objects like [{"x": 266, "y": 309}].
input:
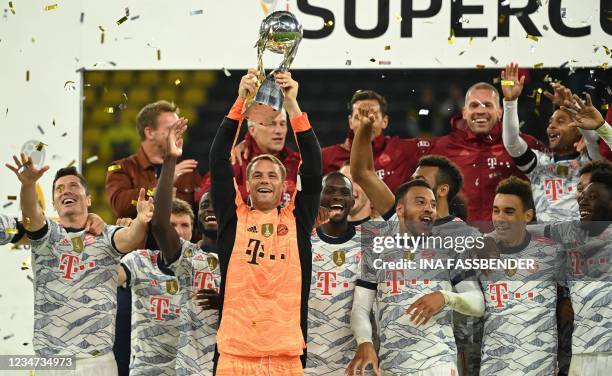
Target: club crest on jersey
[
  {"x": 188, "y": 252},
  {"x": 77, "y": 244},
  {"x": 339, "y": 257},
  {"x": 267, "y": 229},
  {"x": 282, "y": 230},
  {"x": 172, "y": 286},
  {"x": 408, "y": 255},
  {"x": 510, "y": 272},
  {"x": 562, "y": 170},
  {"x": 212, "y": 262}
]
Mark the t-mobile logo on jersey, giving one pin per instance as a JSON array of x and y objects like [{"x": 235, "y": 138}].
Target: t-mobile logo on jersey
[
  {"x": 160, "y": 306},
  {"x": 492, "y": 162},
  {"x": 203, "y": 280},
  {"x": 71, "y": 265},
  {"x": 328, "y": 280},
  {"x": 554, "y": 188},
  {"x": 500, "y": 294},
  {"x": 393, "y": 281},
  {"x": 381, "y": 173}
]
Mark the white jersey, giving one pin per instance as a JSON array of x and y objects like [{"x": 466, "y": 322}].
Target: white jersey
[
  {"x": 335, "y": 268},
  {"x": 589, "y": 280},
  {"x": 196, "y": 269},
  {"x": 75, "y": 291},
  {"x": 156, "y": 306},
  {"x": 404, "y": 348},
  {"x": 520, "y": 326},
  {"x": 554, "y": 186},
  {"x": 8, "y": 227}
]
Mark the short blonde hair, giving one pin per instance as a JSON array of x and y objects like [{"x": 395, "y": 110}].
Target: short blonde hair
[
  {"x": 147, "y": 116},
  {"x": 267, "y": 157},
  {"x": 182, "y": 207}
]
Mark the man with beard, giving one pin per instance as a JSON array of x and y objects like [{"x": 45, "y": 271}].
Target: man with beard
[
  {"x": 520, "y": 335},
  {"x": 75, "y": 275},
  {"x": 589, "y": 247},
  {"x": 266, "y": 260},
  {"x": 336, "y": 256},
  {"x": 405, "y": 299},
  {"x": 553, "y": 176}
]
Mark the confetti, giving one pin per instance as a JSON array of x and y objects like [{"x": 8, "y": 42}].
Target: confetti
[
  {"x": 464, "y": 20},
  {"x": 196, "y": 12},
  {"x": 604, "y": 106},
  {"x": 494, "y": 60},
  {"x": 11, "y": 198},
  {"x": 505, "y": 3},
  {"x": 461, "y": 53},
  {"x": 423, "y": 112},
  {"x": 11, "y": 7},
  {"x": 40, "y": 129},
  {"x": 547, "y": 78},
  {"x": 40, "y": 146},
  {"x": 538, "y": 100},
  {"x": 69, "y": 86},
  {"x": 348, "y": 62},
  {"x": 158, "y": 54},
  {"x": 532, "y": 37},
  {"x": 507, "y": 83},
  {"x": 91, "y": 159},
  {"x": 50, "y": 7},
  {"x": 109, "y": 110},
  {"x": 502, "y": 19},
  {"x": 12, "y": 231},
  {"x": 398, "y": 18},
  {"x": 480, "y": 66},
  {"x": 8, "y": 336},
  {"x": 451, "y": 38},
  {"x": 372, "y": 60},
  {"x": 30, "y": 278},
  {"x": 563, "y": 12},
  {"x": 134, "y": 202},
  {"x": 122, "y": 20},
  {"x": 494, "y": 38},
  {"x": 72, "y": 163},
  {"x": 7, "y": 205},
  {"x": 470, "y": 41},
  {"x": 27, "y": 75},
  {"x": 103, "y": 63},
  {"x": 177, "y": 82},
  {"x": 134, "y": 18},
  {"x": 387, "y": 47},
  {"x": 564, "y": 64},
  {"x": 496, "y": 80},
  {"x": 384, "y": 62},
  {"x": 114, "y": 167},
  {"x": 538, "y": 65},
  {"x": 53, "y": 122},
  {"x": 82, "y": 17},
  {"x": 603, "y": 66},
  {"x": 329, "y": 23},
  {"x": 545, "y": 27},
  {"x": 150, "y": 192},
  {"x": 101, "y": 34},
  {"x": 226, "y": 72}
]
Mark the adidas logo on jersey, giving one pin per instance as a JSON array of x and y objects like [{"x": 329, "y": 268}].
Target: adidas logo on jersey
[
  {"x": 252, "y": 229},
  {"x": 318, "y": 257}
]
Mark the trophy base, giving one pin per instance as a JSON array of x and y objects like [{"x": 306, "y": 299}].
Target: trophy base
[{"x": 267, "y": 104}]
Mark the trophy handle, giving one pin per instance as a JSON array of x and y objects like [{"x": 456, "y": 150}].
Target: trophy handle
[
  {"x": 261, "y": 47},
  {"x": 289, "y": 56}
]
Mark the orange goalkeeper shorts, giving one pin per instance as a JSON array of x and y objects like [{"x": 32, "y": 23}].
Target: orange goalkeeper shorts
[{"x": 230, "y": 365}]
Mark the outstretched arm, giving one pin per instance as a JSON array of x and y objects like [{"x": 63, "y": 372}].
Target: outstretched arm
[
  {"x": 165, "y": 236},
  {"x": 589, "y": 121},
  {"x": 28, "y": 175},
  {"x": 128, "y": 239},
  {"x": 362, "y": 164}
]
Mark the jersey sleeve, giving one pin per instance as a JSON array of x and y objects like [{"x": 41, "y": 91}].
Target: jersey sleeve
[{"x": 109, "y": 239}]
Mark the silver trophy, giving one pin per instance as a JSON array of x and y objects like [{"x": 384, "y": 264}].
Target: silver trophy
[{"x": 280, "y": 32}]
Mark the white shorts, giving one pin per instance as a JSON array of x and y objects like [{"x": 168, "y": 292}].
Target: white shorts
[
  {"x": 598, "y": 364},
  {"x": 441, "y": 370},
  {"x": 103, "y": 365}
]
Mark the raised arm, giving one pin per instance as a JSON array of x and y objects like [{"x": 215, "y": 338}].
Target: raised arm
[
  {"x": 588, "y": 120},
  {"x": 362, "y": 164},
  {"x": 222, "y": 188},
  {"x": 128, "y": 239},
  {"x": 512, "y": 87},
  {"x": 28, "y": 175},
  {"x": 165, "y": 235}
]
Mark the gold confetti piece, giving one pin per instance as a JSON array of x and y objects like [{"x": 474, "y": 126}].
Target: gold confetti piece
[
  {"x": 40, "y": 129},
  {"x": 11, "y": 198},
  {"x": 101, "y": 34},
  {"x": 27, "y": 223},
  {"x": 151, "y": 192},
  {"x": 539, "y": 65},
  {"x": 532, "y": 37},
  {"x": 398, "y": 18},
  {"x": 348, "y": 62},
  {"x": 72, "y": 163},
  {"x": 538, "y": 100},
  {"x": 384, "y": 62},
  {"x": 451, "y": 38},
  {"x": 607, "y": 50},
  {"x": 177, "y": 82},
  {"x": 387, "y": 47},
  {"x": 372, "y": 60},
  {"x": 507, "y": 83},
  {"x": 40, "y": 146},
  {"x": 539, "y": 91},
  {"x": 480, "y": 66},
  {"x": 470, "y": 41},
  {"x": 502, "y": 18},
  {"x": 50, "y": 7},
  {"x": 109, "y": 110},
  {"x": 91, "y": 159},
  {"x": 226, "y": 72},
  {"x": 603, "y": 66},
  {"x": 604, "y": 106},
  {"x": 329, "y": 23},
  {"x": 158, "y": 54},
  {"x": 114, "y": 167},
  {"x": 12, "y": 231},
  {"x": 69, "y": 86},
  {"x": 101, "y": 28},
  {"x": 64, "y": 134},
  {"x": 11, "y": 7},
  {"x": 122, "y": 20},
  {"x": 134, "y": 202},
  {"x": 27, "y": 75},
  {"x": 7, "y": 205},
  {"x": 545, "y": 27},
  {"x": 461, "y": 53},
  {"x": 196, "y": 12},
  {"x": 423, "y": 112},
  {"x": 496, "y": 80},
  {"x": 494, "y": 38},
  {"x": 493, "y": 59}
]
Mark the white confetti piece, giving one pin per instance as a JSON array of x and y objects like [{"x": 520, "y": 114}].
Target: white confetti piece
[{"x": 423, "y": 112}]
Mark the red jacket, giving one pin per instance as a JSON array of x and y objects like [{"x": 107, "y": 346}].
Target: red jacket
[
  {"x": 290, "y": 158},
  {"x": 483, "y": 160},
  {"x": 395, "y": 159}
]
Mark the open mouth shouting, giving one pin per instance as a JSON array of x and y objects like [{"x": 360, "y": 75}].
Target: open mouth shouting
[{"x": 336, "y": 209}]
